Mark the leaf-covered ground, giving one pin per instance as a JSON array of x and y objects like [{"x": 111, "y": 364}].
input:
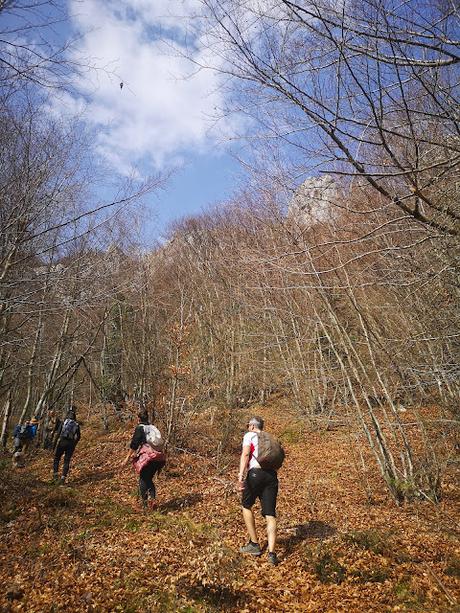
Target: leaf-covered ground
[{"x": 343, "y": 545}]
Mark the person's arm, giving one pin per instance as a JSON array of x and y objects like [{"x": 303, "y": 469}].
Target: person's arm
[
  {"x": 130, "y": 456},
  {"x": 137, "y": 440},
  {"x": 244, "y": 459}
]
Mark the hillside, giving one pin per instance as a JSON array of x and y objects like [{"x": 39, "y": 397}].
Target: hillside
[{"x": 343, "y": 545}]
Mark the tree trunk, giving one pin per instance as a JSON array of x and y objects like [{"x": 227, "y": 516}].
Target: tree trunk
[{"x": 5, "y": 422}]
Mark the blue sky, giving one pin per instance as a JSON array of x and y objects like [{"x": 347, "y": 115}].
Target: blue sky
[
  {"x": 167, "y": 114},
  {"x": 202, "y": 180},
  {"x": 151, "y": 103}
]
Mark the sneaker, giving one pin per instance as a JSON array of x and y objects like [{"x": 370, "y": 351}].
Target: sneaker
[
  {"x": 62, "y": 481},
  {"x": 272, "y": 558},
  {"x": 251, "y": 548}
]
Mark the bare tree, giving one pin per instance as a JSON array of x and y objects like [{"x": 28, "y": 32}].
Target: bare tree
[
  {"x": 31, "y": 46},
  {"x": 368, "y": 89}
]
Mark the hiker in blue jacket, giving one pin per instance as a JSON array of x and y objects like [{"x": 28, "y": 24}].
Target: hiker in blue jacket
[
  {"x": 33, "y": 430},
  {"x": 69, "y": 435},
  {"x": 27, "y": 434}
]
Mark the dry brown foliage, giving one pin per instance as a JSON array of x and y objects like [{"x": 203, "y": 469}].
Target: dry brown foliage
[{"x": 343, "y": 545}]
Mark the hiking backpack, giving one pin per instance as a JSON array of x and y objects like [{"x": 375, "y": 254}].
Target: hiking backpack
[
  {"x": 270, "y": 454},
  {"x": 69, "y": 429},
  {"x": 23, "y": 433},
  {"x": 153, "y": 437}
]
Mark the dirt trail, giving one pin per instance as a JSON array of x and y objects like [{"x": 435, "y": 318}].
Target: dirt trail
[{"x": 87, "y": 547}]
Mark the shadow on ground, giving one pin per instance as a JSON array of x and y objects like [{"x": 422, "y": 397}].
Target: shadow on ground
[
  {"x": 177, "y": 504},
  {"x": 220, "y": 598},
  {"x": 93, "y": 477},
  {"x": 312, "y": 530}
]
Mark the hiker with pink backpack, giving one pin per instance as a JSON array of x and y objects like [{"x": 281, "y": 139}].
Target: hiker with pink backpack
[
  {"x": 148, "y": 458},
  {"x": 261, "y": 457}
]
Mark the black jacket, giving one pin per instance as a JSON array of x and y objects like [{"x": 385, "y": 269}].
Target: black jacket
[
  {"x": 66, "y": 441},
  {"x": 138, "y": 438}
]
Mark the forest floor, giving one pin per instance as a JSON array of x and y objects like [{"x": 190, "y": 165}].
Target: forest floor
[{"x": 343, "y": 544}]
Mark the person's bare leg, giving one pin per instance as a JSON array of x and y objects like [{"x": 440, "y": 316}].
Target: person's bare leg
[
  {"x": 271, "y": 532},
  {"x": 248, "y": 517}
]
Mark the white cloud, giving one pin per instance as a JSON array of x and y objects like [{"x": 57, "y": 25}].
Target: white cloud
[
  {"x": 170, "y": 13},
  {"x": 159, "y": 114}
]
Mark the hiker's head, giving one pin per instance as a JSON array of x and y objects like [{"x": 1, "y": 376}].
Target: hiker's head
[
  {"x": 257, "y": 422},
  {"x": 143, "y": 417},
  {"x": 72, "y": 412}
]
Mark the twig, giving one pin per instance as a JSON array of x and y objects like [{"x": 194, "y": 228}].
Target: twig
[
  {"x": 197, "y": 455},
  {"x": 224, "y": 482},
  {"x": 449, "y": 596},
  {"x": 230, "y": 486}
]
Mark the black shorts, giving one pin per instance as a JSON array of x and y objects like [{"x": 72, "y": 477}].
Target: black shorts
[{"x": 262, "y": 484}]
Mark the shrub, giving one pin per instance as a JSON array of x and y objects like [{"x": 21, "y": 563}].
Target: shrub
[
  {"x": 60, "y": 498},
  {"x": 371, "y": 540},
  {"x": 374, "y": 575},
  {"x": 412, "y": 597},
  {"x": 328, "y": 569},
  {"x": 453, "y": 567},
  {"x": 292, "y": 435}
]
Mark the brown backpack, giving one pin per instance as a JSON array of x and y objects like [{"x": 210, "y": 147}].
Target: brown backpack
[{"x": 270, "y": 454}]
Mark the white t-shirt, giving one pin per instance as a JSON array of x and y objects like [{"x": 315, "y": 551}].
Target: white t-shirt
[{"x": 251, "y": 440}]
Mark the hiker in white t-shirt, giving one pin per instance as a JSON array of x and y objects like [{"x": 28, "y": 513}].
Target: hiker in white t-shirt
[{"x": 256, "y": 482}]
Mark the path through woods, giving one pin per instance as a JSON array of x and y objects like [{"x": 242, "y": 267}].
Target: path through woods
[{"x": 343, "y": 544}]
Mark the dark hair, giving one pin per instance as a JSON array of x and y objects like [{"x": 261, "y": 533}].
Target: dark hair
[{"x": 143, "y": 417}]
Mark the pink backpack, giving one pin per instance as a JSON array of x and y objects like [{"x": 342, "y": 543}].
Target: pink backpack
[{"x": 145, "y": 455}]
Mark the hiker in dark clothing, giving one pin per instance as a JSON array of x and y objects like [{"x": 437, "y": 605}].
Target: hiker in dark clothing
[
  {"x": 144, "y": 449},
  {"x": 19, "y": 435},
  {"x": 69, "y": 435},
  {"x": 18, "y": 439}
]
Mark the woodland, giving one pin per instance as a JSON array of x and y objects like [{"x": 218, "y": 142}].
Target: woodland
[{"x": 323, "y": 295}]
